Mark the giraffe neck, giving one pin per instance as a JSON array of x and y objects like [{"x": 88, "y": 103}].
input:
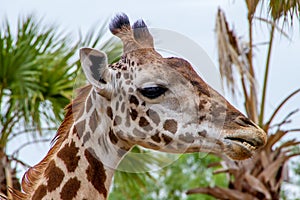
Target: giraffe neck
[{"x": 84, "y": 164}]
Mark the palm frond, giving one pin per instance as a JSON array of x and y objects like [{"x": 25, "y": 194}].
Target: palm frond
[
  {"x": 287, "y": 9},
  {"x": 261, "y": 176},
  {"x": 34, "y": 61},
  {"x": 251, "y": 7},
  {"x": 222, "y": 193}
]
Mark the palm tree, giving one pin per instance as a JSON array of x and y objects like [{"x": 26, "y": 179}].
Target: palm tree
[
  {"x": 35, "y": 83},
  {"x": 260, "y": 177}
]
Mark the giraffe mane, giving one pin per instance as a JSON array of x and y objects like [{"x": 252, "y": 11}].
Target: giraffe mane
[{"x": 31, "y": 178}]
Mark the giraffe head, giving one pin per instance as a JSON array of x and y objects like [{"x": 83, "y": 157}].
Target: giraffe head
[{"x": 162, "y": 103}]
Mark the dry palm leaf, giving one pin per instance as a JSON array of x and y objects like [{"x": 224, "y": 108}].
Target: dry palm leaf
[
  {"x": 232, "y": 53},
  {"x": 234, "y": 58}
]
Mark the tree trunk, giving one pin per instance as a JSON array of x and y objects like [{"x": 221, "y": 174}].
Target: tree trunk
[{"x": 8, "y": 176}]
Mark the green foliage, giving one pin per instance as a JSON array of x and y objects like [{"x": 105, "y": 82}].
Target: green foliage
[
  {"x": 171, "y": 182},
  {"x": 295, "y": 167},
  {"x": 35, "y": 76}
]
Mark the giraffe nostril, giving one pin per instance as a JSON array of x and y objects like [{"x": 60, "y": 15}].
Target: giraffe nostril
[{"x": 243, "y": 121}]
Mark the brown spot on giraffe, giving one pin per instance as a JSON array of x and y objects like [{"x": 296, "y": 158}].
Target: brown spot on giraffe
[
  {"x": 117, "y": 105},
  {"x": 123, "y": 107},
  {"x": 117, "y": 120},
  {"x": 40, "y": 192},
  {"x": 54, "y": 175},
  {"x": 133, "y": 114},
  {"x": 109, "y": 112},
  {"x": 95, "y": 172},
  {"x": 167, "y": 139},
  {"x": 80, "y": 128},
  {"x": 201, "y": 118},
  {"x": 143, "y": 122},
  {"x": 153, "y": 116},
  {"x": 74, "y": 131},
  {"x": 86, "y": 137},
  {"x": 127, "y": 122},
  {"x": 170, "y": 125},
  {"x": 94, "y": 120},
  {"x": 69, "y": 156},
  {"x": 202, "y": 133},
  {"x": 120, "y": 97},
  {"x": 130, "y": 90},
  {"x": 120, "y": 134},
  {"x": 70, "y": 189},
  {"x": 133, "y": 100},
  {"x": 156, "y": 137},
  {"x": 112, "y": 137},
  {"x": 126, "y": 75},
  {"x": 138, "y": 133},
  {"x": 217, "y": 110},
  {"x": 118, "y": 75},
  {"x": 188, "y": 138},
  {"x": 202, "y": 104},
  {"x": 88, "y": 104}
]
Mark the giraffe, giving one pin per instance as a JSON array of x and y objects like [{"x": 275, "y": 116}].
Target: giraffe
[{"x": 143, "y": 99}]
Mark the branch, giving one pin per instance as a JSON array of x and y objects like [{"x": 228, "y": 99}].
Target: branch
[
  {"x": 287, "y": 119},
  {"x": 275, "y": 25},
  {"x": 30, "y": 130},
  {"x": 252, "y": 101},
  {"x": 12, "y": 158},
  {"x": 293, "y": 130},
  {"x": 9, "y": 181},
  {"x": 279, "y": 107}
]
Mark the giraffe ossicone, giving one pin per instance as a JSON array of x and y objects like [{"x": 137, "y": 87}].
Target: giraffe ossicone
[{"x": 144, "y": 99}]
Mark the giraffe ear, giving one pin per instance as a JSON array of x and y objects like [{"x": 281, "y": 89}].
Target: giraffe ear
[{"x": 94, "y": 64}]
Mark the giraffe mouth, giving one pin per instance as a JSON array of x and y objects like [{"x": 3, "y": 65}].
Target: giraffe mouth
[
  {"x": 238, "y": 148},
  {"x": 251, "y": 145}
]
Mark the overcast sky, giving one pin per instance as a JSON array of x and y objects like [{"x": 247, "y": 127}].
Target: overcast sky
[{"x": 193, "y": 18}]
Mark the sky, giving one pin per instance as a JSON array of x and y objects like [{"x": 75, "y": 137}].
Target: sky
[{"x": 194, "y": 19}]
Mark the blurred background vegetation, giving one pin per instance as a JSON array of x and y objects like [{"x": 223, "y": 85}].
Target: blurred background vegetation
[{"x": 38, "y": 67}]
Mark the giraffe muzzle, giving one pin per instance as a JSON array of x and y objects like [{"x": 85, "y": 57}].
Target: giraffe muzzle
[{"x": 242, "y": 145}]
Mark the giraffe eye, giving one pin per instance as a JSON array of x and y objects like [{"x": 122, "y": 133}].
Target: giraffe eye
[{"x": 153, "y": 91}]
